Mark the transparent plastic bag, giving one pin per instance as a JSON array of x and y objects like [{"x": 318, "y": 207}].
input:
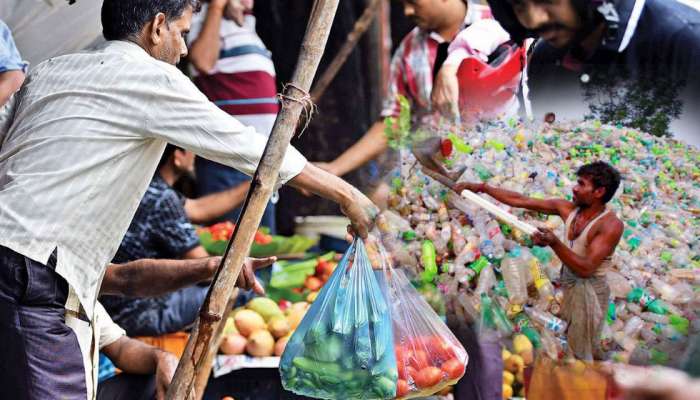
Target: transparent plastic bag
[
  {"x": 343, "y": 347},
  {"x": 428, "y": 355}
]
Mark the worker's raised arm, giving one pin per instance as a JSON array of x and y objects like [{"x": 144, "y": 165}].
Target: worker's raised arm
[
  {"x": 204, "y": 48},
  {"x": 547, "y": 206}
]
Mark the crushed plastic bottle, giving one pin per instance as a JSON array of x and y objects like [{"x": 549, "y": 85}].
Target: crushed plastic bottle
[
  {"x": 655, "y": 278},
  {"x": 513, "y": 276}
]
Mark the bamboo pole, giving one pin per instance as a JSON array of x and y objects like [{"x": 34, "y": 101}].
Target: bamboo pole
[
  {"x": 361, "y": 26},
  {"x": 201, "y": 380},
  {"x": 194, "y": 359}
]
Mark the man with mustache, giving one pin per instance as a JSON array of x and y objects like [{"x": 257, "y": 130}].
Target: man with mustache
[
  {"x": 629, "y": 61},
  {"x": 592, "y": 234},
  {"x": 79, "y": 147}
]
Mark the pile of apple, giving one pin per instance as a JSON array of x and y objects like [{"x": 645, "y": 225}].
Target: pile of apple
[{"x": 261, "y": 328}]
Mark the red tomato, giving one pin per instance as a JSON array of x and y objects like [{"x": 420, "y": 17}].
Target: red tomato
[
  {"x": 418, "y": 359},
  {"x": 320, "y": 267},
  {"x": 411, "y": 373},
  {"x": 444, "y": 350},
  {"x": 428, "y": 377},
  {"x": 453, "y": 368},
  {"x": 262, "y": 238},
  {"x": 401, "y": 362},
  {"x": 446, "y": 147},
  {"x": 402, "y": 388}
]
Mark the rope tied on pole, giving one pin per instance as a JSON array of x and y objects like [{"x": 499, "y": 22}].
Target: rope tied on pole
[{"x": 309, "y": 108}]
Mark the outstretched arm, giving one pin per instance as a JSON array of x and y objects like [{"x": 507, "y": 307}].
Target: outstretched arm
[
  {"x": 148, "y": 278},
  {"x": 559, "y": 207},
  {"x": 355, "y": 205},
  {"x": 369, "y": 147}
]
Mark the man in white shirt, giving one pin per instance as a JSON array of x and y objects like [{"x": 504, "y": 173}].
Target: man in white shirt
[{"x": 79, "y": 144}]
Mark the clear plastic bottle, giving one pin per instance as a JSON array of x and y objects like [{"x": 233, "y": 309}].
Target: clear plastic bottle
[
  {"x": 468, "y": 254},
  {"x": 430, "y": 201},
  {"x": 633, "y": 326},
  {"x": 663, "y": 289},
  {"x": 619, "y": 285},
  {"x": 513, "y": 278},
  {"x": 458, "y": 240},
  {"x": 688, "y": 274},
  {"x": 545, "y": 289},
  {"x": 547, "y": 320},
  {"x": 493, "y": 315},
  {"x": 656, "y": 318},
  {"x": 648, "y": 335},
  {"x": 446, "y": 233},
  {"x": 443, "y": 215},
  {"x": 470, "y": 304},
  {"x": 487, "y": 280},
  {"x": 550, "y": 345}
]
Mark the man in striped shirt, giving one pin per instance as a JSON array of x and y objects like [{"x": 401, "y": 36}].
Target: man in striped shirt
[{"x": 234, "y": 69}]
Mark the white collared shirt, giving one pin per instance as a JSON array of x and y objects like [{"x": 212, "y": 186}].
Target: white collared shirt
[{"x": 80, "y": 142}]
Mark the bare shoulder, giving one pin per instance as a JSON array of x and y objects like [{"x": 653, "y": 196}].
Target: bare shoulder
[{"x": 609, "y": 225}]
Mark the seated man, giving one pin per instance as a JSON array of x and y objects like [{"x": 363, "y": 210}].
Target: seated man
[
  {"x": 146, "y": 370},
  {"x": 162, "y": 228}
]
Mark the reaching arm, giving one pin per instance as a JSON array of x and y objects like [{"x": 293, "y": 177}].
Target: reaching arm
[
  {"x": 353, "y": 203},
  {"x": 601, "y": 246},
  {"x": 150, "y": 278},
  {"x": 369, "y": 147},
  {"x": 549, "y": 206},
  {"x": 196, "y": 253},
  {"x": 204, "y": 51},
  {"x": 210, "y": 207}
]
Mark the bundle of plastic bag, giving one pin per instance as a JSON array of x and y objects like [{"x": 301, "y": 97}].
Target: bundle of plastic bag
[
  {"x": 428, "y": 355},
  {"x": 344, "y": 346}
]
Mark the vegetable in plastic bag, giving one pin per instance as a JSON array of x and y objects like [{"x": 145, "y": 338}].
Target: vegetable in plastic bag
[
  {"x": 428, "y": 355},
  {"x": 343, "y": 347}
]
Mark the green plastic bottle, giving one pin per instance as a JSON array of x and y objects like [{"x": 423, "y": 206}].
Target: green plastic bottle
[
  {"x": 478, "y": 265},
  {"x": 522, "y": 322},
  {"x": 679, "y": 323},
  {"x": 644, "y": 299},
  {"x": 429, "y": 260},
  {"x": 494, "y": 315}
]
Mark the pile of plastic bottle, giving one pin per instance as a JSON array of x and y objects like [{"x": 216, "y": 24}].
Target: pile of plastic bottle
[{"x": 506, "y": 283}]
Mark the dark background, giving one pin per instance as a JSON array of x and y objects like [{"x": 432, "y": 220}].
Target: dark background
[{"x": 351, "y": 103}]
